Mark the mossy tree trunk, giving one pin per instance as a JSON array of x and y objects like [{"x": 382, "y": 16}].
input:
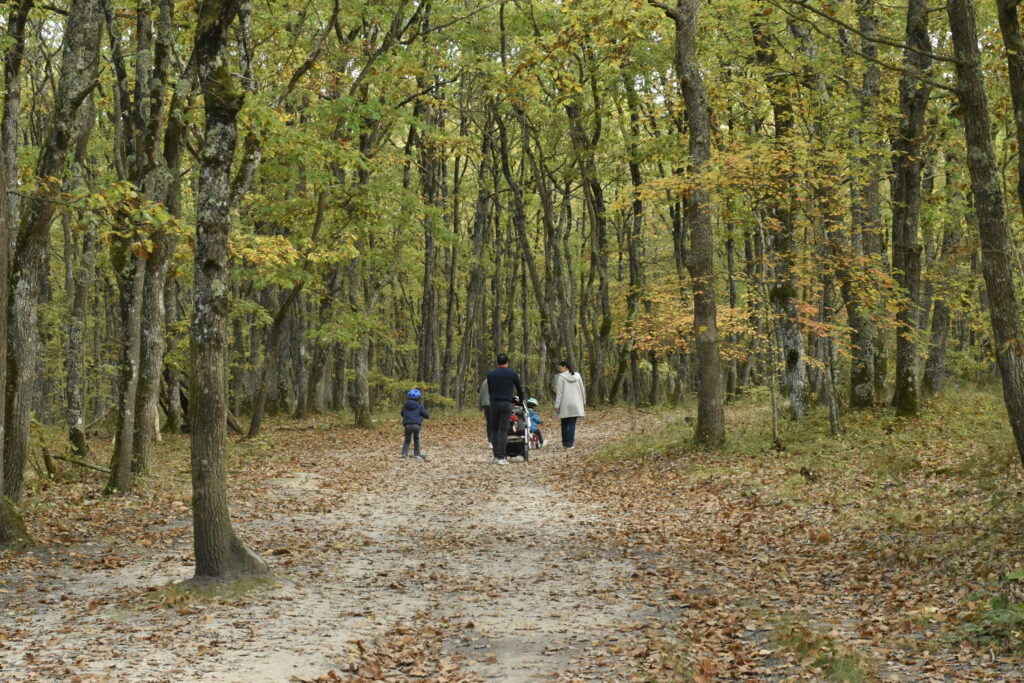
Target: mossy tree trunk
[
  {"x": 78, "y": 73},
  {"x": 220, "y": 553}
]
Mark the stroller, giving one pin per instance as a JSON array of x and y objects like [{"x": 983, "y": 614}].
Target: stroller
[{"x": 518, "y": 432}]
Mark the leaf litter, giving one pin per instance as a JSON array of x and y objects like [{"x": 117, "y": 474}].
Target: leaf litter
[{"x": 566, "y": 568}]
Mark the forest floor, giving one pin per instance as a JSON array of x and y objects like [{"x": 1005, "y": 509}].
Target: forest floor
[{"x": 628, "y": 558}]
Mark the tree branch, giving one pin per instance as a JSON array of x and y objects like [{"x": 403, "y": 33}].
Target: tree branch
[
  {"x": 82, "y": 463},
  {"x": 873, "y": 60},
  {"x": 853, "y": 29}
]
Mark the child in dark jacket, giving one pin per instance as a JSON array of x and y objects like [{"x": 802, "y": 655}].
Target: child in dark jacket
[{"x": 413, "y": 414}]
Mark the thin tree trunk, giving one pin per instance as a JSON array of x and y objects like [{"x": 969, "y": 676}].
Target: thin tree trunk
[
  {"x": 710, "y": 428},
  {"x": 79, "y": 268},
  {"x": 131, "y": 281},
  {"x": 476, "y": 321},
  {"x": 175, "y": 417},
  {"x": 784, "y": 294},
  {"x": 906, "y": 205},
  {"x": 272, "y": 360}
]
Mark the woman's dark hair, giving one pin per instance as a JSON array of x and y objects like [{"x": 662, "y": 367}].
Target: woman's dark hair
[{"x": 566, "y": 364}]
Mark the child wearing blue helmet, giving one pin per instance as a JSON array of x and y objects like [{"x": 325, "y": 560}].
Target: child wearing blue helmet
[{"x": 413, "y": 414}]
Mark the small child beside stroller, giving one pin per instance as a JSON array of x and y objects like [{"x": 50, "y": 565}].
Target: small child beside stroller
[{"x": 536, "y": 438}]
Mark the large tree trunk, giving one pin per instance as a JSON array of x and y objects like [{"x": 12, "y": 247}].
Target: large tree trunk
[
  {"x": 16, "y": 19},
  {"x": 996, "y": 244},
  {"x": 220, "y": 554},
  {"x": 160, "y": 183},
  {"x": 710, "y": 429},
  {"x": 78, "y": 71},
  {"x": 906, "y": 202}
]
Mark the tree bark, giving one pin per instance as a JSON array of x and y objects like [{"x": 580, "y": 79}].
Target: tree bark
[
  {"x": 634, "y": 237},
  {"x": 1009, "y": 27},
  {"x": 584, "y": 142},
  {"x": 996, "y": 243},
  {"x": 79, "y": 267},
  {"x": 710, "y": 428},
  {"x": 78, "y": 72},
  {"x": 784, "y": 293},
  {"x": 475, "y": 322},
  {"x": 9, "y": 166},
  {"x": 906, "y": 202},
  {"x": 219, "y": 553},
  {"x": 131, "y": 276},
  {"x": 934, "y": 379}
]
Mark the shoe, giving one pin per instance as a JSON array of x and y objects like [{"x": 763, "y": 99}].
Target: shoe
[
  {"x": 569, "y": 448},
  {"x": 503, "y": 461},
  {"x": 405, "y": 456},
  {"x": 421, "y": 458}
]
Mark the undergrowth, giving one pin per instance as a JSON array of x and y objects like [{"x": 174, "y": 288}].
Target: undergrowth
[
  {"x": 942, "y": 494},
  {"x": 817, "y": 651}
]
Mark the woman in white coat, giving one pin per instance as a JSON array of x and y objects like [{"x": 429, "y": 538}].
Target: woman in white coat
[{"x": 570, "y": 397}]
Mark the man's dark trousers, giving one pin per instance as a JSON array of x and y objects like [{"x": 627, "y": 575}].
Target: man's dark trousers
[{"x": 501, "y": 411}]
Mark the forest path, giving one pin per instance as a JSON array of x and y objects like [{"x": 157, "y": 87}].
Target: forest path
[{"x": 453, "y": 569}]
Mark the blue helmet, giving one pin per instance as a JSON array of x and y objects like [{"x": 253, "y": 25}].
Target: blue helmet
[
  {"x": 531, "y": 401},
  {"x": 414, "y": 393}
]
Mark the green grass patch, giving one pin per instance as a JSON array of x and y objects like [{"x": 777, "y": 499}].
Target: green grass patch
[
  {"x": 192, "y": 591},
  {"x": 816, "y": 650}
]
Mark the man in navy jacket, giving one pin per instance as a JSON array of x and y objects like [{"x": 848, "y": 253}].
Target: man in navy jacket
[{"x": 503, "y": 384}]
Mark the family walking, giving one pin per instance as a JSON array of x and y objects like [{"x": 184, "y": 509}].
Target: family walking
[
  {"x": 501, "y": 400},
  {"x": 502, "y": 388}
]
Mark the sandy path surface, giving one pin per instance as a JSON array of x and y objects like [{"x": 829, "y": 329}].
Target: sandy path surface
[{"x": 453, "y": 569}]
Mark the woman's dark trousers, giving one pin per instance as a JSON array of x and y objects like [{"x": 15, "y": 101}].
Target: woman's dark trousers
[{"x": 568, "y": 431}]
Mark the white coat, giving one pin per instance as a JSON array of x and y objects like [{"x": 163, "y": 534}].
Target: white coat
[{"x": 570, "y": 395}]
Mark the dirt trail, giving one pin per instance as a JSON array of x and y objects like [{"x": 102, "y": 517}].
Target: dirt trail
[{"x": 454, "y": 569}]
